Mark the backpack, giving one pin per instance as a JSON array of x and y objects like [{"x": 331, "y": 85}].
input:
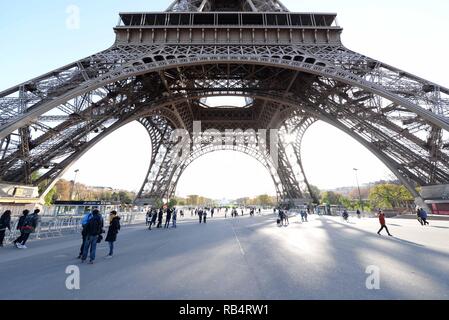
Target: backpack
[
  {"x": 94, "y": 226},
  {"x": 29, "y": 224}
]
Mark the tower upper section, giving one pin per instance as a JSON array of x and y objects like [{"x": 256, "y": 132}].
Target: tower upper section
[
  {"x": 228, "y": 22},
  {"x": 227, "y": 5}
]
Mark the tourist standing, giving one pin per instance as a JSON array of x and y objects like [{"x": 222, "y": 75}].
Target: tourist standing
[
  {"x": 175, "y": 217},
  {"x": 160, "y": 218},
  {"x": 114, "y": 227},
  {"x": 168, "y": 218},
  {"x": 5, "y": 223},
  {"x": 94, "y": 229},
  {"x": 382, "y": 223},
  {"x": 200, "y": 215},
  {"x": 205, "y": 216},
  {"x": 153, "y": 218},
  {"x": 84, "y": 223}
]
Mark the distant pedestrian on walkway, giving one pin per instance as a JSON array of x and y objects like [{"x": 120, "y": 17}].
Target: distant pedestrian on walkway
[
  {"x": 153, "y": 218},
  {"x": 84, "y": 222},
  {"x": 205, "y": 216},
  {"x": 114, "y": 227},
  {"x": 175, "y": 217},
  {"x": 5, "y": 223},
  {"x": 200, "y": 215},
  {"x": 382, "y": 223},
  {"x": 359, "y": 214},
  {"x": 168, "y": 218},
  {"x": 424, "y": 217},
  {"x": 160, "y": 218}
]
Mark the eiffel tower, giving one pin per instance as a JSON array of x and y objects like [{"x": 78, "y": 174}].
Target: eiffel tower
[{"x": 165, "y": 68}]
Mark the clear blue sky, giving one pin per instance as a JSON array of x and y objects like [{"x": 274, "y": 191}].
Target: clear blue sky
[{"x": 412, "y": 35}]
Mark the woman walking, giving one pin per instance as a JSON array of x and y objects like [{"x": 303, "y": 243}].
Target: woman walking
[
  {"x": 5, "y": 223},
  {"x": 114, "y": 227}
]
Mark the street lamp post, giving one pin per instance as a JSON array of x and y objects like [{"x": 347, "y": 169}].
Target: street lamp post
[
  {"x": 74, "y": 184},
  {"x": 358, "y": 187}
]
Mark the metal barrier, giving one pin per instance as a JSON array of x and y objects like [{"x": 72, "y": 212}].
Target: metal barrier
[{"x": 52, "y": 227}]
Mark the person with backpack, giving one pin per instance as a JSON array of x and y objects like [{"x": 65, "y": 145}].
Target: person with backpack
[
  {"x": 5, "y": 223},
  {"x": 423, "y": 215},
  {"x": 28, "y": 227},
  {"x": 382, "y": 223},
  {"x": 94, "y": 229},
  {"x": 84, "y": 222},
  {"x": 114, "y": 227},
  {"x": 20, "y": 224}
]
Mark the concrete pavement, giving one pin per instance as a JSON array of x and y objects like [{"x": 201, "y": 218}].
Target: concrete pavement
[{"x": 241, "y": 258}]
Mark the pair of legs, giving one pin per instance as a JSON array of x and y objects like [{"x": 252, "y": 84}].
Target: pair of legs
[
  {"x": 91, "y": 244},
  {"x": 174, "y": 224},
  {"x": 111, "y": 249},
  {"x": 167, "y": 224},
  {"x": 22, "y": 239},
  {"x": 424, "y": 222},
  {"x": 384, "y": 227},
  {"x": 2, "y": 237},
  {"x": 82, "y": 246}
]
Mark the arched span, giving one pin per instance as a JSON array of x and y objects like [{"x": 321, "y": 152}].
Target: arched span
[
  {"x": 293, "y": 104},
  {"x": 252, "y": 152},
  {"x": 139, "y": 67}
]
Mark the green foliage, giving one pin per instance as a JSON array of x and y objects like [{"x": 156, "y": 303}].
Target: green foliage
[
  {"x": 172, "y": 203},
  {"x": 389, "y": 196}
]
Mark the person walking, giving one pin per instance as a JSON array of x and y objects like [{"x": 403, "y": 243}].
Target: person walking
[
  {"x": 94, "y": 229},
  {"x": 205, "y": 216},
  {"x": 200, "y": 215},
  {"x": 168, "y": 218},
  {"x": 418, "y": 214},
  {"x": 114, "y": 227},
  {"x": 424, "y": 217},
  {"x": 359, "y": 214},
  {"x": 84, "y": 222},
  {"x": 148, "y": 219},
  {"x": 20, "y": 224},
  {"x": 5, "y": 223},
  {"x": 175, "y": 217},
  {"x": 28, "y": 227},
  {"x": 382, "y": 223}
]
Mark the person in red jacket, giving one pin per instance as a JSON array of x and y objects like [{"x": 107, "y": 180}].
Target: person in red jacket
[{"x": 382, "y": 223}]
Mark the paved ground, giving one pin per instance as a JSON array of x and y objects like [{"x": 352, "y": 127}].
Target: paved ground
[{"x": 244, "y": 258}]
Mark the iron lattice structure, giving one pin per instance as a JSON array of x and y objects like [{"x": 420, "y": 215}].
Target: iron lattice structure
[{"x": 292, "y": 68}]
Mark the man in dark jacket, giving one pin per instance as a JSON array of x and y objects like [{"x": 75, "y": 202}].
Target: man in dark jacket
[
  {"x": 20, "y": 224},
  {"x": 5, "y": 223},
  {"x": 94, "y": 229},
  {"x": 29, "y": 226},
  {"x": 113, "y": 230},
  {"x": 160, "y": 217},
  {"x": 168, "y": 218}
]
